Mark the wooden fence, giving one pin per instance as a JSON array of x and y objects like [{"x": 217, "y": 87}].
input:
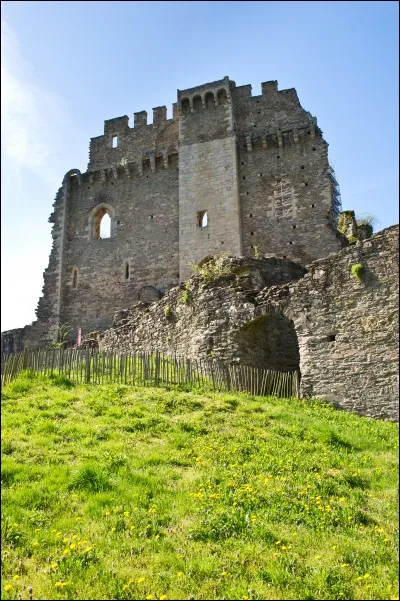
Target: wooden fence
[{"x": 150, "y": 369}]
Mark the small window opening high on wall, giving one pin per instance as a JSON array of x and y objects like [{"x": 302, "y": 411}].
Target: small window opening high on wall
[
  {"x": 115, "y": 141},
  {"x": 75, "y": 279},
  {"x": 126, "y": 271},
  {"x": 202, "y": 219}
]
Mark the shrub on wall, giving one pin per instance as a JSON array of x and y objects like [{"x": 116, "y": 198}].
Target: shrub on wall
[{"x": 357, "y": 270}]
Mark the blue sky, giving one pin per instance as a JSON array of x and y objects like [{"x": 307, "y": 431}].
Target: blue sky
[{"x": 68, "y": 66}]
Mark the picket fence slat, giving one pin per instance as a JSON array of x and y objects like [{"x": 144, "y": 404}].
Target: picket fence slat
[{"x": 150, "y": 369}]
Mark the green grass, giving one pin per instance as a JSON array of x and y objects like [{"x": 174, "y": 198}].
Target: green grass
[{"x": 117, "y": 492}]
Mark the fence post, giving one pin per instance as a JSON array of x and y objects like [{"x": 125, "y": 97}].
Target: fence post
[
  {"x": 25, "y": 358},
  {"x": 87, "y": 374}
]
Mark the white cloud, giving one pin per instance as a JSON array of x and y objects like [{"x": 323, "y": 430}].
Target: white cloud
[{"x": 31, "y": 116}]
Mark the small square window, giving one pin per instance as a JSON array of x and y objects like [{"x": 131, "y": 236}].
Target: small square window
[{"x": 114, "y": 141}]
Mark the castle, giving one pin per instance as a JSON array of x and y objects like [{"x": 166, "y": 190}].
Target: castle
[{"x": 229, "y": 172}]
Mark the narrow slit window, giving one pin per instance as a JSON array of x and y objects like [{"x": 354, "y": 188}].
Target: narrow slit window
[
  {"x": 75, "y": 278},
  {"x": 114, "y": 141},
  {"x": 202, "y": 219},
  {"x": 126, "y": 271}
]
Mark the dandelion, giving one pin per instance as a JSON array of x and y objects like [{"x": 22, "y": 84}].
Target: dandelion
[
  {"x": 141, "y": 579},
  {"x": 149, "y": 597},
  {"x": 16, "y": 577},
  {"x": 88, "y": 549},
  {"x": 60, "y": 584},
  {"x": 108, "y": 513},
  {"x": 54, "y": 566},
  {"x": 74, "y": 536},
  {"x": 224, "y": 573},
  {"x": 35, "y": 543},
  {"x": 163, "y": 597},
  {"x": 8, "y": 587},
  {"x": 180, "y": 574},
  {"x": 113, "y": 529}
]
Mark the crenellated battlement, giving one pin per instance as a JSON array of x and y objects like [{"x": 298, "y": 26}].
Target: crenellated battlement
[{"x": 229, "y": 171}]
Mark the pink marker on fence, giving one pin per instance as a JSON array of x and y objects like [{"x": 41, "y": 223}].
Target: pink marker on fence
[{"x": 79, "y": 339}]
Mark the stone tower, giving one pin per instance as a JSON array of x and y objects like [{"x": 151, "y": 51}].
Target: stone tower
[{"x": 228, "y": 172}]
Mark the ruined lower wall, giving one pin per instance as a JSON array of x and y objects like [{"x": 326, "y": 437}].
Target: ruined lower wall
[
  {"x": 340, "y": 329},
  {"x": 347, "y": 326}
]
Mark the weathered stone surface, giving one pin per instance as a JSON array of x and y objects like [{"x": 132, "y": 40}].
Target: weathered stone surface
[
  {"x": 257, "y": 164},
  {"x": 341, "y": 331}
]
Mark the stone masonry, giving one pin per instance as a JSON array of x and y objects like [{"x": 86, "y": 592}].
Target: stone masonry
[
  {"x": 228, "y": 172},
  {"x": 340, "y": 329}
]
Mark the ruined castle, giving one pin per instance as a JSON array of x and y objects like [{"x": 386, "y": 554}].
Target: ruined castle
[{"x": 229, "y": 172}]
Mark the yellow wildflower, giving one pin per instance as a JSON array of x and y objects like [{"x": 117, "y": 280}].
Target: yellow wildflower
[
  {"x": 8, "y": 587},
  {"x": 141, "y": 579},
  {"x": 224, "y": 573},
  {"x": 35, "y": 543},
  {"x": 113, "y": 529},
  {"x": 74, "y": 536},
  {"x": 108, "y": 513},
  {"x": 163, "y": 597},
  {"x": 60, "y": 584},
  {"x": 88, "y": 549},
  {"x": 125, "y": 587},
  {"x": 65, "y": 540},
  {"x": 180, "y": 574},
  {"x": 126, "y": 514},
  {"x": 16, "y": 577},
  {"x": 149, "y": 597},
  {"x": 54, "y": 566}
]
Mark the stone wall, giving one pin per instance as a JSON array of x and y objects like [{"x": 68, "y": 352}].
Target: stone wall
[
  {"x": 347, "y": 326},
  {"x": 257, "y": 164},
  {"x": 341, "y": 330}
]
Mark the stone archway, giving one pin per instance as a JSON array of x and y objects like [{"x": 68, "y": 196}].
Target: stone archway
[{"x": 269, "y": 342}]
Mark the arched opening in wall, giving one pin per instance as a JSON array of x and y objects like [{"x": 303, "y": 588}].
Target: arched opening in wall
[
  {"x": 173, "y": 158},
  {"x": 222, "y": 97},
  {"x": 269, "y": 342},
  {"x": 105, "y": 227},
  {"x": 197, "y": 104},
  {"x": 205, "y": 260},
  {"x": 75, "y": 278},
  {"x": 159, "y": 161},
  {"x": 102, "y": 224},
  {"x": 202, "y": 218},
  {"x": 185, "y": 104},
  {"x": 209, "y": 100}
]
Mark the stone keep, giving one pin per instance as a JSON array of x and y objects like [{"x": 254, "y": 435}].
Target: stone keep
[{"x": 229, "y": 172}]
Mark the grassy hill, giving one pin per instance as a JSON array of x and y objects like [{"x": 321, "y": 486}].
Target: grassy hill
[{"x": 116, "y": 492}]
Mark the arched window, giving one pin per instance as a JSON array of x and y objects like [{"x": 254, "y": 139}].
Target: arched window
[
  {"x": 209, "y": 100},
  {"x": 202, "y": 219},
  {"x": 197, "y": 104},
  {"x": 105, "y": 226},
  {"x": 221, "y": 97},
  {"x": 185, "y": 105},
  {"x": 101, "y": 222}
]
